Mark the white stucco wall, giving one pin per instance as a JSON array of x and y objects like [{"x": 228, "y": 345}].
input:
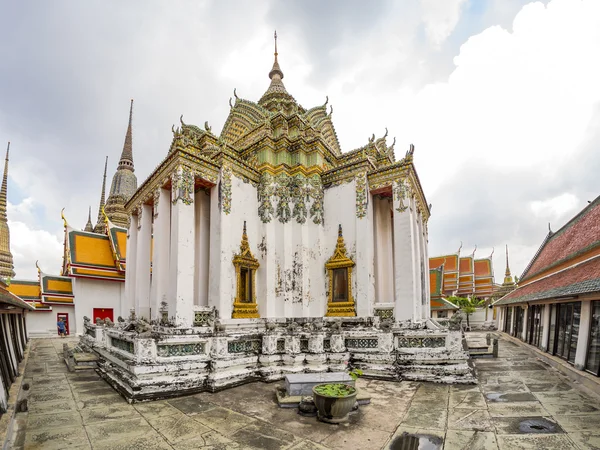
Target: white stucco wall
[
  {"x": 43, "y": 323},
  {"x": 90, "y": 294}
]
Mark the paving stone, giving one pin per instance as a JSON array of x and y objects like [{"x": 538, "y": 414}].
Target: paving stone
[
  {"x": 586, "y": 439},
  {"x": 56, "y": 419},
  {"x": 178, "y": 427},
  {"x": 562, "y": 397},
  {"x": 537, "y": 442},
  {"x": 510, "y": 397},
  {"x": 56, "y": 438},
  {"x": 590, "y": 422},
  {"x": 155, "y": 409},
  {"x": 118, "y": 430},
  {"x": 470, "y": 440},
  {"x": 191, "y": 405},
  {"x": 356, "y": 438},
  {"x": 260, "y": 435},
  {"x": 469, "y": 419},
  {"x": 467, "y": 399},
  {"x": 151, "y": 441},
  {"x": 504, "y": 388},
  {"x": 210, "y": 440},
  {"x": 223, "y": 420},
  {"x": 109, "y": 412},
  {"x": 435, "y": 419},
  {"x": 517, "y": 409},
  {"x": 51, "y": 395},
  {"x": 570, "y": 408},
  {"x": 307, "y": 445},
  {"x": 52, "y": 407},
  {"x": 105, "y": 400},
  {"x": 548, "y": 386}
]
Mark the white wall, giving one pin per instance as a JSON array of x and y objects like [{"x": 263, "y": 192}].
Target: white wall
[
  {"x": 90, "y": 294},
  {"x": 43, "y": 323}
]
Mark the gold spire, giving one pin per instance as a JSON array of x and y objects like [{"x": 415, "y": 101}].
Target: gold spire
[
  {"x": 276, "y": 69},
  {"x": 276, "y": 90},
  {"x": 99, "y": 228},
  {"x": 508, "y": 279},
  {"x": 88, "y": 226},
  {"x": 6, "y": 258}
]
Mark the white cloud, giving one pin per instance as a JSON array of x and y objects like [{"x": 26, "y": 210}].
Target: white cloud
[
  {"x": 440, "y": 18},
  {"x": 558, "y": 207},
  {"x": 29, "y": 245}
]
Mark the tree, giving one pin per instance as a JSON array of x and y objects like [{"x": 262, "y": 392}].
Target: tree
[{"x": 468, "y": 305}]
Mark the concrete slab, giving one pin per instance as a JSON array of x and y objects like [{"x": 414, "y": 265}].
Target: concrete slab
[
  {"x": 540, "y": 441},
  {"x": 518, "y": 409},
  {"x": 57, "y": 438},
  {"x": 470, "y": 440},
  {"x": 178, "y": 427}
]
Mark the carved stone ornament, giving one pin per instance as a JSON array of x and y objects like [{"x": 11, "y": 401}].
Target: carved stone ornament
[
  {"x": 156, "y": 196},
  {"x": 244, "y": 304},
  {"x": 361, "y": 195},
  {"x": 340, "y": 262},
  {"x": 226, "y": 189},
  {"x": 292, "y": 196},
  {"x": 182, "y": 186},
  {"x": 401, "y": 194},
  {"x": 139, "y": 211}
]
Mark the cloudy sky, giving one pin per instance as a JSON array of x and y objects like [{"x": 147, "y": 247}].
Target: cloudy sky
[{"x": 501, "y": 99}]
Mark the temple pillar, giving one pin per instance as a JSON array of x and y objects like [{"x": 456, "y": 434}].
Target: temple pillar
[
  {"x": 426, "y": 304},
  {"x": 182, "y": 246},
  {"x": 130, "y": 270},
  {"x": 546, "y": 328},
  {"x": 416, "y": 252},
  {"x": 363, "y": 272},
  {"x": 202, "y": 251},
  {"x": 159, "y": 291},
  {"x": 142, "y": 262},
  {"x": 404, "y": 281},
  {"x": 583, "y": 336}
]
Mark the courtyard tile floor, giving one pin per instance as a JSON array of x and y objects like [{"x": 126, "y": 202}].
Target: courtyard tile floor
[{"x": 520, "y": 403}]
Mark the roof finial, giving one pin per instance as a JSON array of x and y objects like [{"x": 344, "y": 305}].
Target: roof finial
[
  {"x": 276, "y": 70},
  {"x": 458, "y": 251}
]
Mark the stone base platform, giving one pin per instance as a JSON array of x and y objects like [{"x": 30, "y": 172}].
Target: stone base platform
[{"x": 162, "y": 362}]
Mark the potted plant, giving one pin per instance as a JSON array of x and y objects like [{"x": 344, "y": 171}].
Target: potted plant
[{"x": 335, "y": 400}]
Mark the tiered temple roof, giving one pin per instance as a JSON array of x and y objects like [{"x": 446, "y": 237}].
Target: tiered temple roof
[
  {"x": 94, "y": 255},
  {"x": 48, "y": 290},
  {"x": 461, "y": 276},
  {"x": 566, "y": 264}
]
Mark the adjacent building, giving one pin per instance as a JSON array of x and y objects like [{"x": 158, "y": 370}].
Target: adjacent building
[
  {"x": 556, "y": 306},
  {"x": 92, "y": 281}
]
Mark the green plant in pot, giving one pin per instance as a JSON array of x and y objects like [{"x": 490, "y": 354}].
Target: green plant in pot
[{"x": 335, "y": 400}]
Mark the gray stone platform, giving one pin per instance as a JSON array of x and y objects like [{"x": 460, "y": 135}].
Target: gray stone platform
[
  {"x": 80, "y": 411},
  {"x": 302, "y": 383}
]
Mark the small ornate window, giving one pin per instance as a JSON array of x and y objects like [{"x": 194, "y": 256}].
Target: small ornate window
[
  {"x": 244, "y": 304},
  {"x": 339, "y": 271}
]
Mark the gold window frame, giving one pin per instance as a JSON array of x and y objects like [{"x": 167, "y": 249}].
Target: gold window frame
[
  {"x": 340, "y": 260},
  {"x": 245, "y": 260}
]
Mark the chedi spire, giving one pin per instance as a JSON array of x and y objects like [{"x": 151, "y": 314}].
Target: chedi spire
[
  {"x": 508, "y": 279},
  {"x": 100, "y": 227},
  {"x": 124, "y": 182},
  {"x": 6, "y": 258},
  {"x": 276, "y": 93}
]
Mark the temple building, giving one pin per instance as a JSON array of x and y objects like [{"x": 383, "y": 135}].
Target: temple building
[
  {"x": 556, "y": 306},
  {"x": 266, "y": 250},
  {"x": 92, "y": 281}
]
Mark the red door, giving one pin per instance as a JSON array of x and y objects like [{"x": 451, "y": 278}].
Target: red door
[
  {"x": 103, "y": 313},
  {"x": 65, "y": 318}
]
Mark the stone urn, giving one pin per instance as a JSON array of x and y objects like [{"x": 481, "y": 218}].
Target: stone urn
[{"x": 334, "y": 401}]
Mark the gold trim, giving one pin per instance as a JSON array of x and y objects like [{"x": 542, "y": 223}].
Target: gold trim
[
  {"x": 245, "y": 259},
  {"x": 340, "y": 260}
]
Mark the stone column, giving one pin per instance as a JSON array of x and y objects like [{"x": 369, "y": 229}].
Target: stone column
[
  {"x": 142, "y": 262},
  {"x": 584, "y": 335},
  {"x": 416, "y": 248},
  {"x": 202, "y": 241},
  {"x": 426, "y": 309},
  {"x": 546, "y": 327},
  {"x": 159, "y": 291},
  {"x": 182, "y": 246},
  {"x": 132, "y": 235},
  {"x": 384, "y": 251},
  {"x": 404, "y": 282},
  {"x": 363, "y": 272},
  {"x": 526, "y": 313}
]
